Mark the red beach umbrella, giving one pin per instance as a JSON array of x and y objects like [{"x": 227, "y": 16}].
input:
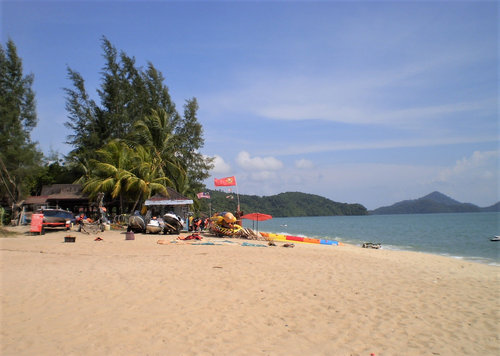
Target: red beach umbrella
[{"x": 257, "y": 217}]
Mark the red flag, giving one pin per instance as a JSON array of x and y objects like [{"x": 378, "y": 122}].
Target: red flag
[{"x": 225, "y": 182}]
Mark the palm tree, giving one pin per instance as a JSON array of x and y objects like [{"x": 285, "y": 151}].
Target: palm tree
[
  {"x": 147, "y": 177},
  {"x": 111, "y": 170},
  {"x": 124, "y": 172},
  {"x": 156, "y": 133}
]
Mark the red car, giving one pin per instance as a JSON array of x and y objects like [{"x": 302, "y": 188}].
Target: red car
[{"x": 57, "y": 218}]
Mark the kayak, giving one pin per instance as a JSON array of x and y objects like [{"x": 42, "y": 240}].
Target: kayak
[{"x": 281, "y": 237}]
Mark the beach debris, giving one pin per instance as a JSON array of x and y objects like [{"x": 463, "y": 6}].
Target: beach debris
[
  {"x": 371, "y": 245},
  {"x": 250, "y": 234},
  {"x": 98, "y": 239},
  {"x": 254, "y": 245},
  {"x": 289, "y": 245},
  {"x": 69, "y": 238},
  {"x": 191, "y": 237},
  {"x": 204, "y": 243}
]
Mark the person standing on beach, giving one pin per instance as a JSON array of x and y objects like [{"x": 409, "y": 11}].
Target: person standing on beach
[{"x": 190, "y": 223}]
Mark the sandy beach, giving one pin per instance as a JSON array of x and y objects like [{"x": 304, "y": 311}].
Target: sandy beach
[{"x": 138, "y": 297}]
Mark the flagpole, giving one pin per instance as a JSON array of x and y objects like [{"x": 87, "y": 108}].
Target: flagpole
[
  {"x": 238, "y": 197},
  {"x": 228, "y": 181}
]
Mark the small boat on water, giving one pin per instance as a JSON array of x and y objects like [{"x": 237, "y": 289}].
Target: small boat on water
[{"x": 496, "y": 238}]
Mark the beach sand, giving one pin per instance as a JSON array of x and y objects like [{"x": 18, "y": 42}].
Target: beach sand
[{"x": 138, "y": 297}]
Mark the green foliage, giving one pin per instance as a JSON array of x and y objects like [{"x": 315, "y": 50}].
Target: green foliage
[
  {"x": 135, "y": 107},
  {"x": 87, "y": 135},
  {"x": 131, "y": 174},
  {"x": 19, "y": 156},
  {"x": 190, "y": 141},
  {"x": 155, "y": 134},
  {"x": 53, "y": 171},
  {"x": 288, "y": 204}
]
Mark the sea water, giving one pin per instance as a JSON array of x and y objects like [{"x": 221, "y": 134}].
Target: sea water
[{"x": 460, "y": 235}]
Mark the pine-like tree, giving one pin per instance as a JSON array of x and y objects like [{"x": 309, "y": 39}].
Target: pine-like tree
[
  {"x": 135, "y": 106},
  {"x": 190, "y": 140},
  {"x": 19, "y": 156}
]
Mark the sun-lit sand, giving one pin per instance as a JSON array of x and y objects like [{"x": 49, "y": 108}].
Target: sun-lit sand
[{"x": 138, "y": 297}]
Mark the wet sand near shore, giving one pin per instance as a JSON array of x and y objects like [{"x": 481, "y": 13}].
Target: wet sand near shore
[{"x": 140, "y": 297}]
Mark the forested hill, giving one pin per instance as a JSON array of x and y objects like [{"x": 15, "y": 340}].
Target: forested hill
[
  {"x": 282, "y": 205},
  {"x": 434, "y": 202}
]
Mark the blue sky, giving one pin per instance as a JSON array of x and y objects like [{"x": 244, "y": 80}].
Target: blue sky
[{"x": 366, "y": 102}]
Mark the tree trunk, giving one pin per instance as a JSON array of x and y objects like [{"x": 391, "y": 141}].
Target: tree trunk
[{"x": 136, "y": 202}]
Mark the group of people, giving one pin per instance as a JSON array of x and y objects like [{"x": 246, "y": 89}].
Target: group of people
[
  {"x": 198, "y": 224},
  {"x": 101, "y": 216}
]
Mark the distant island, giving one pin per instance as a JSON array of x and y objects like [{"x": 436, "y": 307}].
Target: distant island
[
  {"x": 432, "y": 203},
  {"x": 290, "y": 204},
  {"x": 294, "y": 204}
]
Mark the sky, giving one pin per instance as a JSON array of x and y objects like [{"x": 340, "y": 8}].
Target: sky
[{"x": 368, "y": 102}]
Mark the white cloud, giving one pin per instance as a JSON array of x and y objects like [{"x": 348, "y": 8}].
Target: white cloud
[
  {"x": 473, "y": 179},
  {"x": 304, "y": 164},
  {"x": 264, "y": 176},
  {"x": 220, "y": 166},
  {"x": 258, "y": 163},
  {"x": 331, "y": 96},
  {"x": 372, "y": 185},
  {"x": 312, "y": 103},
  {"x": 383, "y": 144},
  {"x": 479, "y": 166}
]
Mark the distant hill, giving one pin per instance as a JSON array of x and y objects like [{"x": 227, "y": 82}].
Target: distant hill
[
  {"x": 434, "y": 202},
  {"x": 494, "y": 207},
  {"x": 288, "y": 204}
]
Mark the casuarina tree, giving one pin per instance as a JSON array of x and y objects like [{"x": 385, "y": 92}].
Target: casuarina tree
[
  {"x": 135, "y": 107},
  {"x": 19, "y": 156}
]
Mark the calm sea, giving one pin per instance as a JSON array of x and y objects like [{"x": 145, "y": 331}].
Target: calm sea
[{"x": 464, "y": 235}]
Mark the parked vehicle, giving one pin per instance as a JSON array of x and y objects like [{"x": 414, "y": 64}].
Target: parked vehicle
[{"x": 57, "y": 218}]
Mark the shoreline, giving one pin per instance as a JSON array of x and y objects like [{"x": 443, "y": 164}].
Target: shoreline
[
  {"x": 119, "y": 296},
  {"x": 465, "y": 235},
  {"x": 472, "y": 259}
]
